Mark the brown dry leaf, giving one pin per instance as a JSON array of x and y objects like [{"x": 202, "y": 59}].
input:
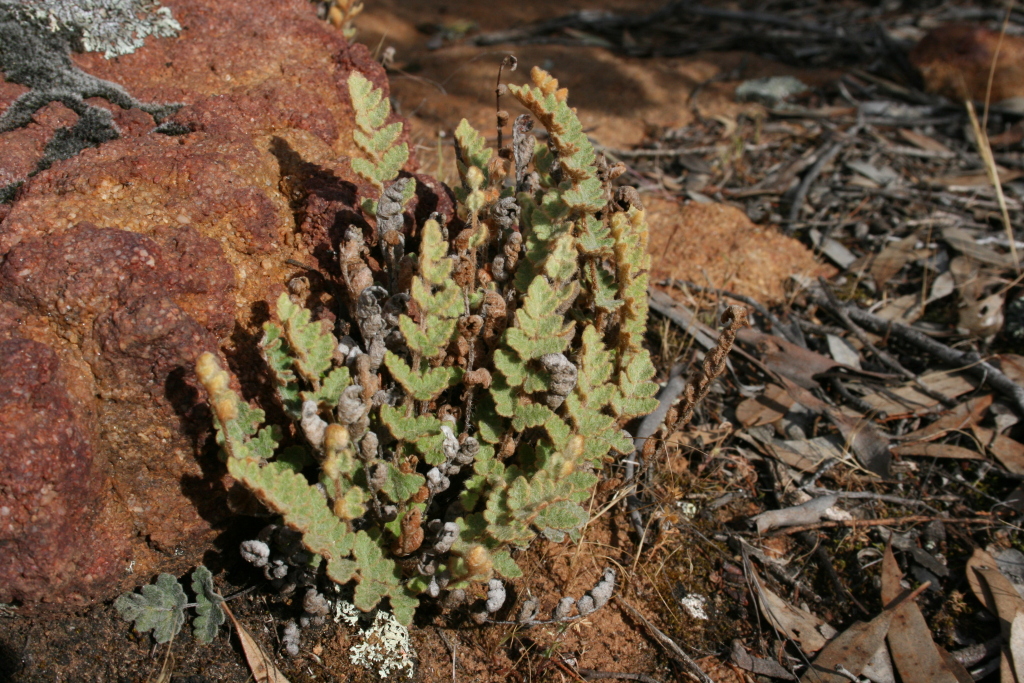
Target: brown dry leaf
[
  {"x": 843, "y": 351},
  {"x": 788, "y": 359},
  {"x": 853, "y": 649},
  {"x": 977, "y": 178},
  {"x": 262, "y": 666},
  {"x": 858, "y": 646},
  {"x": 907, "y": 400},
  {"x": 1006, "y": 668},
  {"x": 994, "y": 590},
  {"x": 865, "y": 440},
  {"x": 965, "y": 242},
  {"x": 962, "y": 674},
  {"x": 924, "y": 142},
  {"x": 1008, "y": 451},
  {"x": 936, "y": 450},
  {"x": 1011, "y": 136},
  {"x": 1012, "y": 366},
  {"x": 915, "y": 655},
  {"x": 792, "y": 622},
  {"x": 903, "y": 309},
  {"x": 892, "y": 258},
  {"x": 806, "y": 454},
  {"x": 965, "y": 415},
  {"x": 1016, "y": 645},
  {"x": 983, "y": 317},
  {"x": 764, "y": 409}
]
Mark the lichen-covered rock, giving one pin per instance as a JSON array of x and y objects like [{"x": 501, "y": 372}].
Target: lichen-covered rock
[{"x": 128, "y": 259}]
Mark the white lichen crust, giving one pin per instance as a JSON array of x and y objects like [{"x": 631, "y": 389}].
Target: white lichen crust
[
  {"x": 113, "y": 27},
  {"x": 384, "y": 647}
]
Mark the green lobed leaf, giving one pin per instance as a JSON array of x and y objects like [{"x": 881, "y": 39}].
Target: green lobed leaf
[
  {"x": 473, "y": 148},
  {"x": 275, "y": 352},
  {"x": 330, "y": 391},
  {"x": 505, "y": 566},
  {"x": 160, "y": 608},
  {"x": 400, "y": 487},
  {"x": 373, "y": 137},
  {"x": 422, "y": 385},
  {"x": 312, "y": 345},
  {"x": 303, "y": 507},
  {"x": 208, "y": 601},
  {"x": 423, "y": 432},
  {"x": 378, "y": 578}
]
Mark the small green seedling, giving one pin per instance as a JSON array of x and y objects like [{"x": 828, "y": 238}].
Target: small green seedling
[{"x": 161, "y": 607}]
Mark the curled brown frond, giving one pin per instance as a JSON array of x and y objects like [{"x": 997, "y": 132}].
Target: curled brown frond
[{"x": 697, "y": 388}]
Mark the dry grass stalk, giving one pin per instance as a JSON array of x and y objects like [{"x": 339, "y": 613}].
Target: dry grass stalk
[
  {"x": 993, "y": 175},
  {"x": 985, "y": 149}
]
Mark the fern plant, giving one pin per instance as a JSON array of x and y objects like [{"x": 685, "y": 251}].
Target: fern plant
[{"x": 498, "y": 359}]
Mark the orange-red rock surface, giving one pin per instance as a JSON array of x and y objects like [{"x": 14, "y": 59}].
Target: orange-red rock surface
[
  {"x": 120, "y": 265},
  {"x": 955, "y": 60}
]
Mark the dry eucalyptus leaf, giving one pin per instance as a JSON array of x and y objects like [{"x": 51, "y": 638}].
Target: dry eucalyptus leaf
[
  {"x": 787, "y": 359},
  {"x": 908, "y": 400},
  {"x": 927, "y": 449},
  {"x": 923, "y": 141},
  {"x": 1012, "y": 366},
  {"x": 1006, "y": 673},
  {"x": 977, "y": 178},
  {"x": 942, "y": 286},
  {"x": 982, "y": 318},
  {"x": 916, "y": 656},
  {"x": 853, "y": 649},
  {"x": 903, "y": 309},
  {"x": 842, "y": 351},
  {"x": 792, "y": 622},
  {"x": 879, "y": 668},
  {"x": 1016, "y": 645},
  {"x": 1009, "y": 452},
  {"x": 965, "y": 415},
  {"x": 262, "y": 666},
  {"x": 764, "y": 409},
  {"x": 994, "y": 590},
  {"x": 964, "y": 242},
  {"x": 892, "y": 258},
  {"x": 763, "y": 667},
  {"x": 806, "y": 454}
]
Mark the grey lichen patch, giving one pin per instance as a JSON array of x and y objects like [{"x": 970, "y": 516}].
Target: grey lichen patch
[
  {"x": 36, "y": 41},
  {"x": 114, "y": 27}
]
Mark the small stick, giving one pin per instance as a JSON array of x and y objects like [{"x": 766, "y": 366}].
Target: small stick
[
  {"x": 786, "y": 332},
  {"x": 808, "y": 179},
  {"x": 650, "y": 424},
  {"x": 591, "y": 675},
  {"x": 674, "y": 650},
  {"x": 837, "y": 309},
  {"x": 885, "y": 521},
  {"x": 868, "y": 495},
  {"x": 969, "y": 362}
]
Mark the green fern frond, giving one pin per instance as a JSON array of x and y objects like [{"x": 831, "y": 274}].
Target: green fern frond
[{"x": 385, "y": 158}]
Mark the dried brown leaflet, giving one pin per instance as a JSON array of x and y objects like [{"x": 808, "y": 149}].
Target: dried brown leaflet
[{"x": 734, "y": 318}]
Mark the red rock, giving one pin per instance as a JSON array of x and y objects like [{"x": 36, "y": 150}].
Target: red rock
[
  {"x": 955, "y": 61},
  {"x": 53, "y": 489},
  {"x": 121, "y": 264}
]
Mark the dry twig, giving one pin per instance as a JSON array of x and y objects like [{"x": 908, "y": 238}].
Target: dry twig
[{"x": 670, "y": 645}]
